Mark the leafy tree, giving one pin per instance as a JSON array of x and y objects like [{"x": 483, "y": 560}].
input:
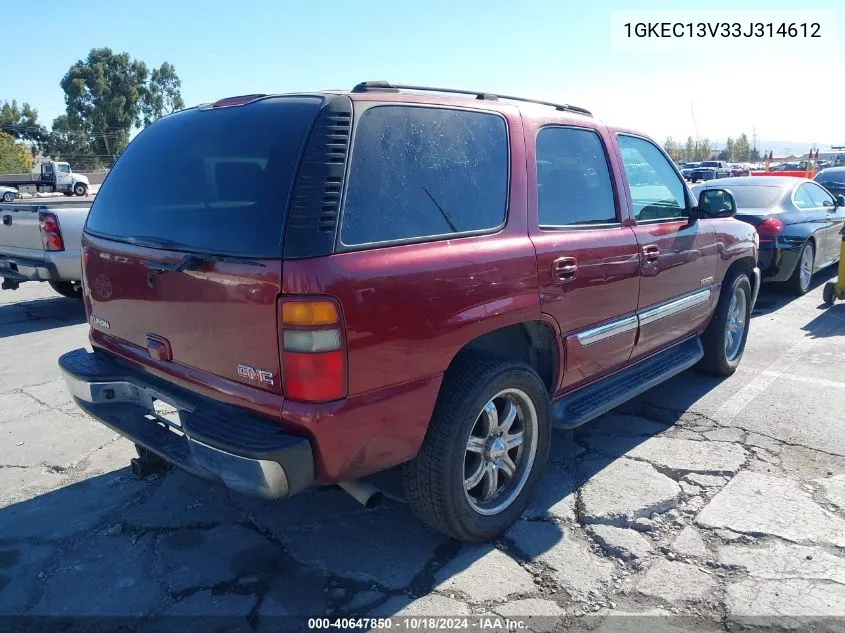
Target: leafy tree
[
  {"x": 742, "y": 149},
  {"x": 689, "y": 149},
  {"x": 163, "y": 93},
  {"x": 14, "y": 157},
  {"x": 21, "y": 122},
  {"x": 69, "y": 141},
  {"x": 108, "y": 94},
  {"x": 675, "y": 152}
]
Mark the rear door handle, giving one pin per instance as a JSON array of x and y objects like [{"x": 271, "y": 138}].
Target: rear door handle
[
  {"x": 651, "y": 253},
  {"x": 564, "y": 269}
]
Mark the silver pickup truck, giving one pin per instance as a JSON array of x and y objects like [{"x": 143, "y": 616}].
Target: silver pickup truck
[{"x": 40, "y": 240}]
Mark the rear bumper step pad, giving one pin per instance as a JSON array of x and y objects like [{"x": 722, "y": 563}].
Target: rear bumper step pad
[{"x": 215, "y": 441}]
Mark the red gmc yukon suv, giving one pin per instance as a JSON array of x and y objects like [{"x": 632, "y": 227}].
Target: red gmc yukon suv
[{"x": 326, "y": 285}]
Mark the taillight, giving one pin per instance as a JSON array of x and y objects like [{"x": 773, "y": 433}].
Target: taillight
[
  {"x": 51, "y": 235},
  {"x": 313, "y": 356},
  {"x": 769, "y": 229}
]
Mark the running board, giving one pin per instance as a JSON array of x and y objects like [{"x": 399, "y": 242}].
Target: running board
[{"x": 608, "y": 393}]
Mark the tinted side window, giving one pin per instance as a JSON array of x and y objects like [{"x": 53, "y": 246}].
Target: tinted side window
[
  {"x": 821, "y": 198},
  {"x": 803, "y": 200},
  {"x": 425, "y": 172},
  {"x": 657, "y": 192},
  {"x": 573, "y": 180}
]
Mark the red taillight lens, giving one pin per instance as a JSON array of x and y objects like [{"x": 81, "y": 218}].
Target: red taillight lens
[
  {"x": 313, "y": 358},
  {"x": 769, "y": 229},
  {"x": 317, "y": 377},
  {"x": 51, "y": 235}
]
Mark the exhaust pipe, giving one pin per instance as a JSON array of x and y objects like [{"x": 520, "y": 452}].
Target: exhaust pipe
[{"x": 367, "y": 495}]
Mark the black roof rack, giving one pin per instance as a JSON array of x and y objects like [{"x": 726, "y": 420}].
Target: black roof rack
[{"x": 386, "y": 86}]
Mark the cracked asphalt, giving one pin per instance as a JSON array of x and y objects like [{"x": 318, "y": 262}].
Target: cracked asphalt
[{"x": 719, "y": 503}]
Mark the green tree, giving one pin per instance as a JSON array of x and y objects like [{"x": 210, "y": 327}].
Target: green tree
[
  {"x": 21, "y": 122},
  {"x": 15, "y": 158},
  {"x": 69, "y": 141},
  {"x": 163, "y": 93},
  {"x": 108, "y": 94},
  {"x": 689, "y": 149},
  {"x": 701, "y": 150},
  {"x": 675, "y": 152},
  {"x": 742, "y": 149}
]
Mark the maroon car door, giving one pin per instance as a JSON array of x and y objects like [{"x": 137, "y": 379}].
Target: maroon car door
[
  {"x": 587, "y": 255},
  {"x": 679, "y": 259}
]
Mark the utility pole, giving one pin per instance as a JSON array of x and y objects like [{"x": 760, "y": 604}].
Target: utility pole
[{"x": 754, "y": 137}]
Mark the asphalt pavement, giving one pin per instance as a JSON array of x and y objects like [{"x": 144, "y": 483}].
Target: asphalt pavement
[{"x": 719, "y": 503}]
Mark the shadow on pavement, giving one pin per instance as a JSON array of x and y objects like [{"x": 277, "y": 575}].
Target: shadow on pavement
[
  {"x": 830, "y": 322},
  {"x": 178, "y": 552},
  {"x": 773, "y": 297},
  {"x": 37, "y": 315}
]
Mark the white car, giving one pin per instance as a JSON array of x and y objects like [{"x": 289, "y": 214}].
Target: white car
[{"x": 8, "y": 194}]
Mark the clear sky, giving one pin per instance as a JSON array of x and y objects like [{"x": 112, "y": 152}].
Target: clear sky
[{"x": 547, "y": 49}]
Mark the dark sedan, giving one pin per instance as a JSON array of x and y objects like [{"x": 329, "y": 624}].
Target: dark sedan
[
  {"x": 798, "y": 222},
  {"x": 832, "y": 179}
]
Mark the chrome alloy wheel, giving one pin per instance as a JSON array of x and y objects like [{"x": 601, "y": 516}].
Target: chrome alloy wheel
[
  {"x": 806, "y": 264},
  {"x": 500, "y": 451},
  {"x": 735, "y": 323}
]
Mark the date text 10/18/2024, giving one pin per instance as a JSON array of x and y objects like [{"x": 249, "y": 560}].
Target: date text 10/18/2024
[{"x": 492, "y": 623}]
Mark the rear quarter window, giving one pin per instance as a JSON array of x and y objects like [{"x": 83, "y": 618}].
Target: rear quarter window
[{"x": 423, "y": 172}]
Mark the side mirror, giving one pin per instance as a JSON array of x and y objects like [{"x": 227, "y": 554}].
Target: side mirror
[
  {"x": 716, "y": 203},
  {"x": 840, "y": 200}
]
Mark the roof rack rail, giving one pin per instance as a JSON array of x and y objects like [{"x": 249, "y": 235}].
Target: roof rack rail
[{"x": 386, "y": 86}]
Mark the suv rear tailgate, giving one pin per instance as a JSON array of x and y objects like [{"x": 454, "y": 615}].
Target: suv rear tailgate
[{"x": 182, "y": 252}]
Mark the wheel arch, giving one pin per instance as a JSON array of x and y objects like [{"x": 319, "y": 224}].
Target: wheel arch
[
  {"x": 743, "y": 265},
  {"x": 536, "y": 343}
]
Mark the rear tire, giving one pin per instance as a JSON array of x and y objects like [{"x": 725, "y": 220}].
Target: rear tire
[
  {"x": 471, "y": 438},
  {"x": 79, "y": 189},
  {"x": 723, "y": 341},
  {"x": 799, "y": 282},
  {"x": 65, "y": 288}
]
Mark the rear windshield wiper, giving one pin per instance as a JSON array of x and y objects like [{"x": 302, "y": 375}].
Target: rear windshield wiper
[{"x": 190, "y": 261}]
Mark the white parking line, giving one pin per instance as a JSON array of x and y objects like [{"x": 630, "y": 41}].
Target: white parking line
[
  {"x": 822, "y": 382},
  {"x": 742, "y": 398}
]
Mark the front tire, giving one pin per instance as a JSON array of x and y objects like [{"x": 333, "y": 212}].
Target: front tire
[
  {"x": 66, "y": 289},
  {"x": 725, "y": 336},
  {"x": 799, "y": 282},
  {"x": 486, "y": 447},
  {"x": 79, "y": 189},
  {"x": 8, "y": 196}
]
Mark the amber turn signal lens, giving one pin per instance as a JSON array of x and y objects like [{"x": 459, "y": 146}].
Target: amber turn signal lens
[{"x": 306, "y": 313}]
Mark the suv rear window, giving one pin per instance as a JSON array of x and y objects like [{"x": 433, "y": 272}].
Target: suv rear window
[
  {"x": 421, "y": 172},
  {"x": 211, "y": 180}
]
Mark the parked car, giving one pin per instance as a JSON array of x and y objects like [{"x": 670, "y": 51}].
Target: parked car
[
  {"x": 327, "y": 285},
  {"x": 832, "y": 179},
  {"x": 709, "y": 170},
  {"x": 687, "y": 170},
  {"x": 8, "y": 194},
  {"x": 798, "y": 222},
  {"x": 41, "y": 241}
]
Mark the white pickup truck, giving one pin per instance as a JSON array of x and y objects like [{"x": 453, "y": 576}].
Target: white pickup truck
[{"x": 41, "y": 241}]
